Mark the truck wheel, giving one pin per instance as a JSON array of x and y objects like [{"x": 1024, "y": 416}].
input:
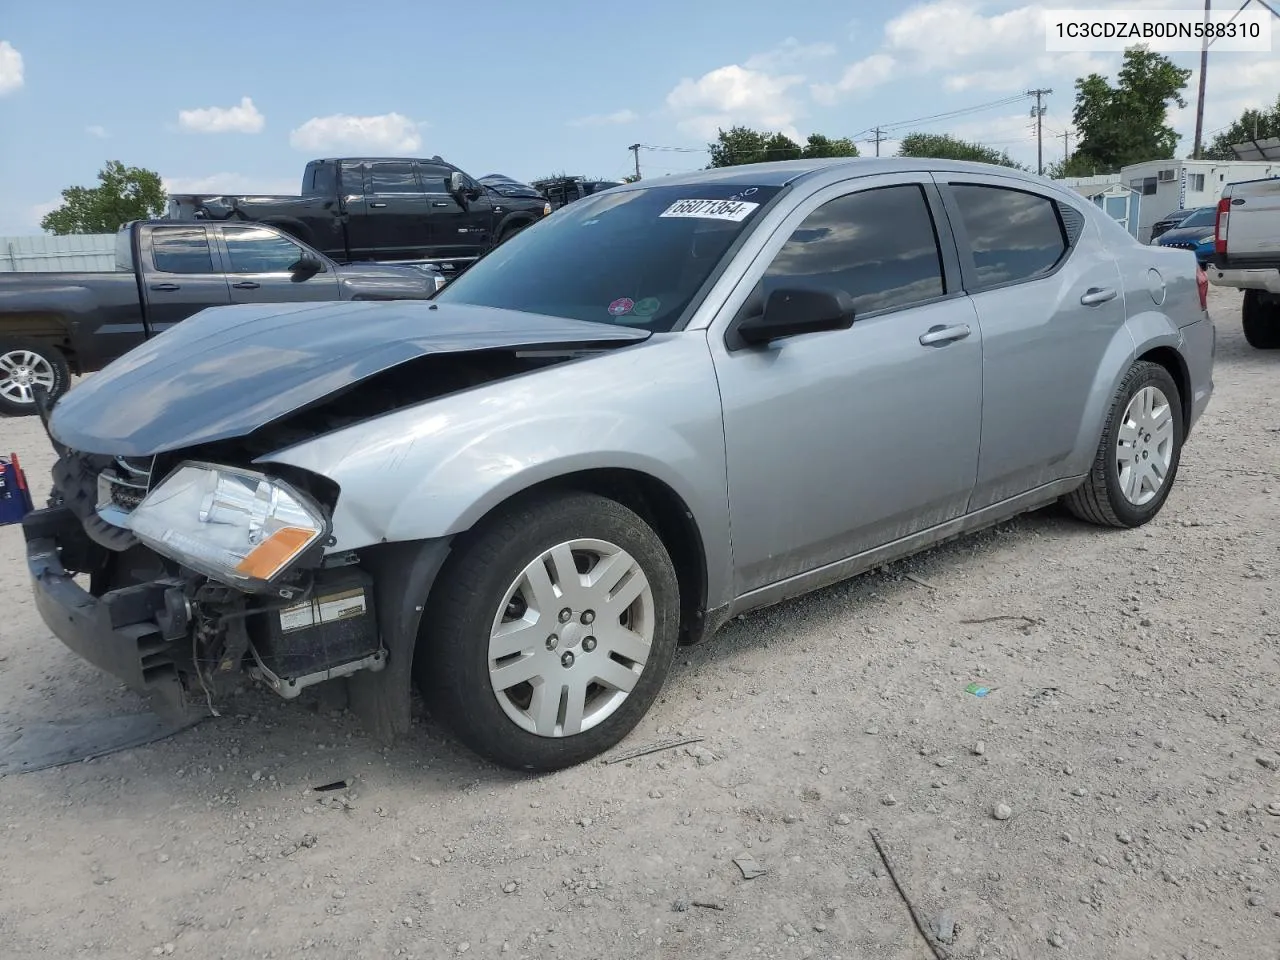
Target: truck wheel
[
  {"x": 1138, "y": 455},
  {"x": 24, "y": 365},
  {"x": 550, "y": 631},
  {"x": 1261, "y": 321}
]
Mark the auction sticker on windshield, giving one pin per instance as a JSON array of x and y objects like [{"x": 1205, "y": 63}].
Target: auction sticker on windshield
[{"x": 735, "y": 210}]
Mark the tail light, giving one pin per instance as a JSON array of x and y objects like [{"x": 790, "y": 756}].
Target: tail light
[
  {"x": 1220, "y": 226},
  {"x": 1202, "y": 285}
]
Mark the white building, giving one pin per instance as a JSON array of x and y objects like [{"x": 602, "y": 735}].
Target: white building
[{"x": 1168, "y": 185}]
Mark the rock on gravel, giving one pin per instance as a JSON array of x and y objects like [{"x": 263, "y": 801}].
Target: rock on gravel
[{"x": 1002, "y": 811}]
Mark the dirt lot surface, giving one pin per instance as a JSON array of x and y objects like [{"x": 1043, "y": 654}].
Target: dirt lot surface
[{"x": 1132, "y": 729}]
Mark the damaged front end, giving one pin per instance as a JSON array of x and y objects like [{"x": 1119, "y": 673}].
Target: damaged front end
[{"x": 197, "y": 572}]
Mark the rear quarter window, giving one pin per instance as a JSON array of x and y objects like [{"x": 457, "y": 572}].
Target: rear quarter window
[{"x": 181, "y": 250}]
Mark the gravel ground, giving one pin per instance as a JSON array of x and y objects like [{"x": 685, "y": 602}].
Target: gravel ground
[{"x": 1108, "y": 798}]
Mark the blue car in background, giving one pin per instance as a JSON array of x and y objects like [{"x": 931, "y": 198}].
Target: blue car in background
[{"x": 1194, "y": 233}]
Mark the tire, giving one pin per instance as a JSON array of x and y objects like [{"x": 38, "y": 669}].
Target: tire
[
  {"x": 23, "y": 363},
  {"x": 508, "y": 232},
  {"x": 1102, "y": 498},
  {"x": 1261, "y": 321},
  {"x": 481, "y": 700}
]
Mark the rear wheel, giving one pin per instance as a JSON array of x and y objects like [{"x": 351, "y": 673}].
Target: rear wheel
[
  {"x": 24, "y": 366},
  {"x": 550, "y": 632},
  {"x": 1138, "y": 455},
  {"x": 1260, "y": 317}
]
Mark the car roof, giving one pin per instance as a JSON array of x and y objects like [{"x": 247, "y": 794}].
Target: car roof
[{"x": 782, "y": 172}]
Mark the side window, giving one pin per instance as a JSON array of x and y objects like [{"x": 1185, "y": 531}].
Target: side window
[
  {"x": 878, "y": 245},
  {"x": 253, "y": 250},
  {"x": 352, "y": 178},
  {"x": 395, "y": 176},
  {"x": 323, "y": 180},
  {"x": 181, "y": 250},
  {"x": 1015, "y": 235},
  {"x": 434, "y": 177}
]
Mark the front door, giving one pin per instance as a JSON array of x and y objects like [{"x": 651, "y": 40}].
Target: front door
[
  {"x": 461, "y": 231},
  {"x": 1050, "y": 310},
  {"x": 258, "y": 262},
  {"x": 179, "y": 276},
  {"x": 843, "y": 441}
]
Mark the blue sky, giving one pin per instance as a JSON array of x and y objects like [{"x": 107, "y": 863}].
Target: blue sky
[{"x": 239, "y": 99}]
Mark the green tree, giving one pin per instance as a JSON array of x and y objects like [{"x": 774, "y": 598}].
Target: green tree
[
  {"x": 943, "y": 146},
  {"x": 1127, "y": 123},
  {"x": 123, "y": 194},
  {"x": 819, "y": 146},
  {"x": 1252, "y": 125}
]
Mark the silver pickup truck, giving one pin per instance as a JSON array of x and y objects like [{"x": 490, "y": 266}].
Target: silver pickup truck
[{"x": 1247, "y": 255}]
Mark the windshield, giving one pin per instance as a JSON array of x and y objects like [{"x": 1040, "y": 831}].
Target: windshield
[
  {"x": 633, "y": 257},
  {"x": 1201, "y": 218}
]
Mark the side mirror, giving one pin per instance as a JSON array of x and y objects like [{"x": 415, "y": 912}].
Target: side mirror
[
  {"x": 305, "y": 267},
  {"x": 791, "y": 311}
]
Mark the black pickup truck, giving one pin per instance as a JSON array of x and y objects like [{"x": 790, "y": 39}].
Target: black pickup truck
[
  {"x": 396, "y": 209},
  {"x": 54, "y": 324}
]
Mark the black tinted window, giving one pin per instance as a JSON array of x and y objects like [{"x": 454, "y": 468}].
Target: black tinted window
[
  {"x": 323, "y": 180},
  {"x": 397, "y": 177},
  {"x": 255, "y": 250},
  {"x": 181, "y": 250},
  {"x": 352, "y": 179},
  {"x": 1015, "y": 235},
  {"x": 434, "y": 176},
  {"x": 877, "y": 245}
]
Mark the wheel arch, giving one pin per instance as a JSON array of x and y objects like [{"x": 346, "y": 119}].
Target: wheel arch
[
  {"x": 659, "y": 505},
  {"x": 1173, "y": 362}
]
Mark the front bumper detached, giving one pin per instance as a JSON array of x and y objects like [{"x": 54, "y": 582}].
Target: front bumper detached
[{"x": 130, "y": 633}]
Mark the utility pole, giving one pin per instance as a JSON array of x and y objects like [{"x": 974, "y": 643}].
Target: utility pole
[
  {"x": 879, "y": 136},
  {"x": 1038, "y": 112},
  {"x": 1204, "y": 65},
  {"x": 1066, "y": 145},
  {"x": 635, "y": 149}
]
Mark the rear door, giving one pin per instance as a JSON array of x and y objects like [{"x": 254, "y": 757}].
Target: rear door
[
  {"x": 1051, "y": 303},
  {"x": 396, "y": 221},
  {"x": 258, "y": 261},
  {"x": 179, "y": 275}
]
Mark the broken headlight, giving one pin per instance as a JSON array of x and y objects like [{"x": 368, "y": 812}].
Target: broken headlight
[{"x": 236, "y": 526}]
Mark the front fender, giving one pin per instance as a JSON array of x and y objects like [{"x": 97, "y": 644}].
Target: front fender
[{"x": 433, "y": 470}]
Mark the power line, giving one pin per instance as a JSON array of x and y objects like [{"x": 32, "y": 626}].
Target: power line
[
  {"x": 1005, "y": 101},
  {"x": 878, "y": 138}
]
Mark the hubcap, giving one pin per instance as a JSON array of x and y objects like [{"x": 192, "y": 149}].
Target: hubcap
[
  {"x": 1144, "y": 447},
  {"x": 21, "y": 371},
  {"x": 571, "y": 638}
]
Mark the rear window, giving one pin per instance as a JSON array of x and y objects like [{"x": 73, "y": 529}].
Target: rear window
[
  {"x": 181, "y": 250},
  {"x": 1201, "y": 218}
]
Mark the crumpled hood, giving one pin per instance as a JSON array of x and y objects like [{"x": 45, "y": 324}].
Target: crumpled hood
[{"x": 227, "y": 371}]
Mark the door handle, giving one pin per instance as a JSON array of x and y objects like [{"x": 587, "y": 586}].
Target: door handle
[
  {"x": 377, "y": 204},
  {"x": 246, "y": 285},
  {"x": 1097, "y": 295},
  {"x": 940, "y": 335},
  {"x": 439, "y": 203},
  {"x": 165, "y": 286}
]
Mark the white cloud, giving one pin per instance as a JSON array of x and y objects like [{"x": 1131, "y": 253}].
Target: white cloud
[
  {"x": 96, "y": 131},
  {"x": 36, "y": 212},
  {"x": 10, "y": 68},
  {"x": 789, "y": 54},
  {"x": 859, "y": 77},
  {"x": 734, "y": 94},
  {"x": 387, "y": 132},
  {"x": 951, "y": 31},
  {"x": 235, "y": 183},
  {"x": 243, "y": 118},
  {"x": 617, "y": 118}
]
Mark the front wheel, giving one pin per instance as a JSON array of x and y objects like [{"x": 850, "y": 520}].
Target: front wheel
[
  {"x": 550, "y": 632},
  {"x": 1138, "y": 455},
  {"x": 25, "y": 365}
]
